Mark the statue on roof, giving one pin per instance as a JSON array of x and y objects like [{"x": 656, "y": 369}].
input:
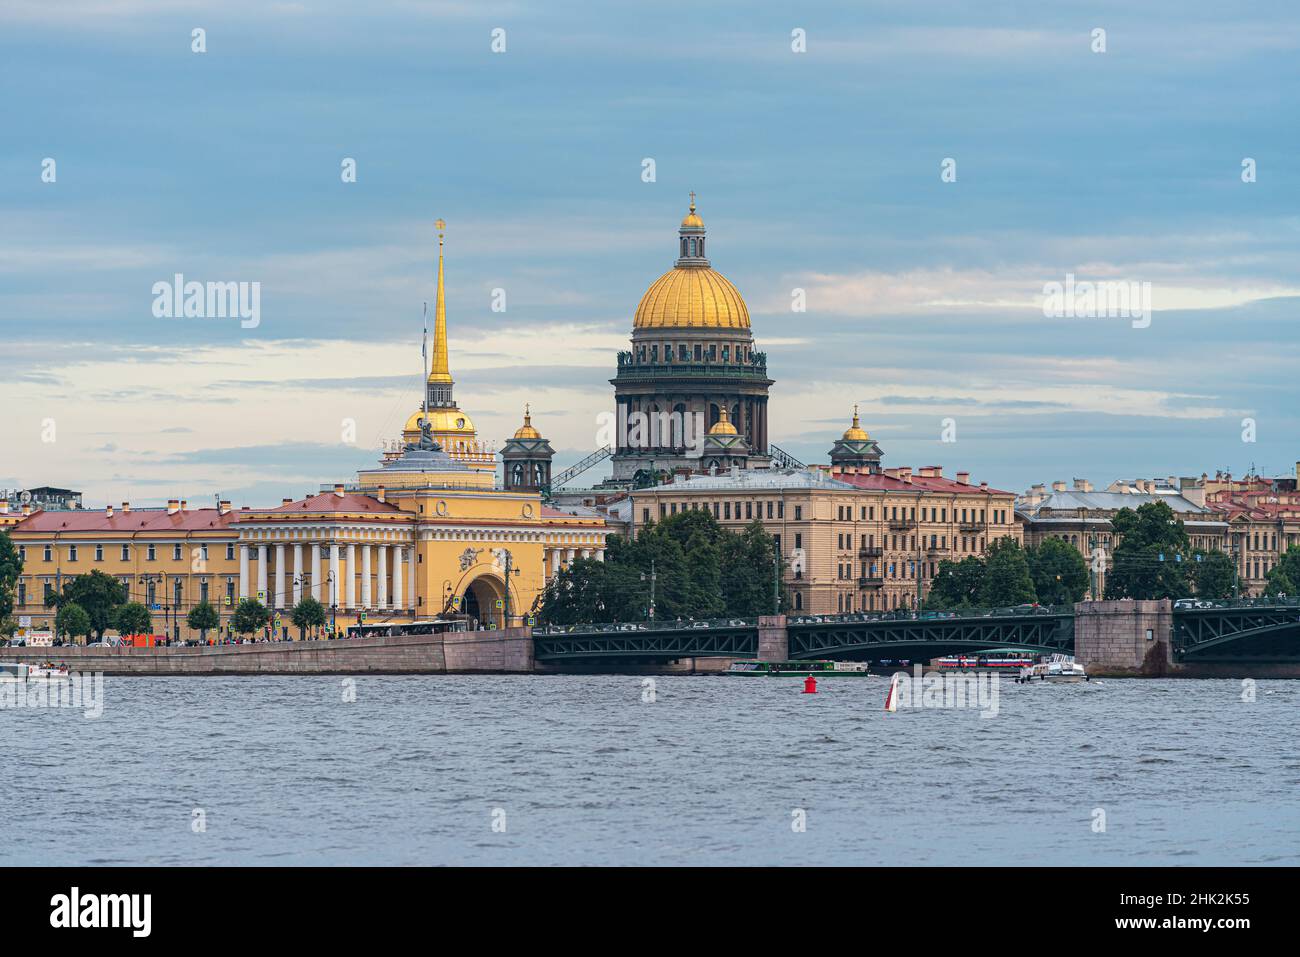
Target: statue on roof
[{"x": 426, "y": 442}]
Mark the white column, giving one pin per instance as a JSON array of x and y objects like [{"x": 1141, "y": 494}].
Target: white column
[
  {"x": 243, "y": 572},
  {"x": 350, "y": 592},
  {"x": 315, "y": 572},
  {"x": 383, "y": 576},
  {"x": 410, "y": 583},
  {"x": 399, "y": 593},
  {"x": 334, "y": 573},
  {"x": 261, "y": 572},
  {"x": 365, "y": 576},
  {"x": 572, "y": 554},
  {"x": 586, "y": 553},
  {"x": 279, "y": 575},
  {"x": 297, "y": 574},
  {"x": 600, "y": 554}
]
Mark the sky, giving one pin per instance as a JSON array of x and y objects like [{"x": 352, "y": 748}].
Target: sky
[{"x": 819, "y": 170}]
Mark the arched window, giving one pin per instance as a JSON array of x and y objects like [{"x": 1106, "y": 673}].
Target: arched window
[{"x": 798, "y": 601}]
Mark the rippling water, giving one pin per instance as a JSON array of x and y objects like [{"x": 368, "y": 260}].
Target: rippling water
[{"x": 586, "y": 773}]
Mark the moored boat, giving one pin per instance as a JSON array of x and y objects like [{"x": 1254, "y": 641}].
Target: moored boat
[
  {"x": 1056, "y": 668},
  {"x": 20, "y": 673},
  {"x": 799, "y": 669}
]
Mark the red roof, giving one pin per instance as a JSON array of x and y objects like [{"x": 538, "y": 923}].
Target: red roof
[
  {"x": 925, "y": 483},
  {"x": 330, "y": 502},
  {"x": 137, "y": 520}
]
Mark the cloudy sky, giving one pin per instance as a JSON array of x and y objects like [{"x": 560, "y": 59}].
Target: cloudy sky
[{"x": 818, "y": 170}]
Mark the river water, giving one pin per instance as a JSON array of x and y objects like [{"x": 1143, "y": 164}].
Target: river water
[{"x": 531, "y": 770}]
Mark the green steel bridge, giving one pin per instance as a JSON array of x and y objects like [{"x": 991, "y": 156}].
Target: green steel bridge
[
  {"x": 1247, "y": 630},
  {"x": 865, "y": 636}
]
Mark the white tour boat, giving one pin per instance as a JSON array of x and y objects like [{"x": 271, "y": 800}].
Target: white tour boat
[
  {"x": 1057, "y": 668},
  {"x": 18, "y": 673}
]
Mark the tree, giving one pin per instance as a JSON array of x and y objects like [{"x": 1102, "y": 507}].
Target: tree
[
  {"x": 98, "y": 594},
  {"x": 1059, "y": 571},
  {"x": 308, "y": 613},
  {"x": 11, "y": 566},
  {"x": 956, "y": 584},
  {"x": 133, "y": 618},
  {"x": 1290, "y": 565},
  {"x": 202, "y": 617},
  {"x": 250, "y": 616},
  {"x": 697, "y": 568},
  {"x": 1278, "y": 582},
  {"x": 1214, "y": 575},
  {"x": 72, "y": 620},
  {"x": 1006, "y": 575},
  {"x": 1151, "y": 559},
  {"x": 749, "y": 575}
]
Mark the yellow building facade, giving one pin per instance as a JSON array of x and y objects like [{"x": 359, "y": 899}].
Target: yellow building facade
[{"x": 426, "y": 533}]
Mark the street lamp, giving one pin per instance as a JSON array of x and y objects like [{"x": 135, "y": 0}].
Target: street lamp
[{"x": 334, "y": 608}]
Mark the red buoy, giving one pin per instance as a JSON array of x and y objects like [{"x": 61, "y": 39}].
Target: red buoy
[{"x": 810, "y": 685}]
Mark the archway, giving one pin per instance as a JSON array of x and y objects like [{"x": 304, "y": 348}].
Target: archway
[{"x": 479, "y": 601}]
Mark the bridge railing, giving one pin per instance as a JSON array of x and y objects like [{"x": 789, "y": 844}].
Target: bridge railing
[
  {"x": 674, "y": 624},
  {"x": 1276, "y": 601},
  {"x": 932, "y": 614}
]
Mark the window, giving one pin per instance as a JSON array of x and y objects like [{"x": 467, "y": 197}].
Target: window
[
  {"x": 780, "y": 509},
  {"x": 151, "y": 592},
  {"x": 152, "y": 553},
  {"x": 22, "y": 594},
  {"x": 72, "y": 553},
  {"x": 126, "y": 553},
  {"x": 798, "y": 540},
  {"x": 49, "y": 553},
  {"x": 99, "y": 553},
  {"x": 230, "y": 551},
  {"x": 176, "y": 553},
  {"x": 798, "y": 512},
  {"x": 203, "y": 590}
]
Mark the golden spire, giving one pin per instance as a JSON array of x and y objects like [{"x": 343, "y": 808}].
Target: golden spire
[{"x": 438, "y": 371}]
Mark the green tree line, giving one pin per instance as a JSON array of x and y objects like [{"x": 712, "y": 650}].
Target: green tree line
[{"x": 698, "y": 569}]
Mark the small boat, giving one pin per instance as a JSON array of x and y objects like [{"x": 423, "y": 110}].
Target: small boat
[
  {"x": 799, "y": 669},
  {"x": 18, "y": 673},
  {"x": 1057, "y": 668}
]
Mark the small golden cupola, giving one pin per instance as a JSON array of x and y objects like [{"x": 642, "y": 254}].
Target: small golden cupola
[
  {"x": 526, "y": 431},
  {"x": 723, "y": 426},
  {"x": 856, "y": 450},
  {"x": 526, "y": 459},
  {"x": 855, "y": 432}
]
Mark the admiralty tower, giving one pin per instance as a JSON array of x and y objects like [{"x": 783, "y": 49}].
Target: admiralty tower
[{"x": 692, "y": 357}]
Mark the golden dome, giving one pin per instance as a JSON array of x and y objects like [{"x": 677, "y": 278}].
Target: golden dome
[
  {"x": 855, "y": 432},
  {"x": 441, "y": 421},
  {"x": 690, "y": 296},
  {"x": 723, "y": 426},
  {"x": 526, "y": 431}
]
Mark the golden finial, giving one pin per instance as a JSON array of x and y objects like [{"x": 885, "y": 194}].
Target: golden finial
[
  {"x": 692, "y": 201},
  {"x": 440, "y": 225}
]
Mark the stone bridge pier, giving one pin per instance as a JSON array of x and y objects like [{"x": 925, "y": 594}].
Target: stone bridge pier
[
  {"x": 1124, "y": 637},
  {"x": 773, "y": 639}
]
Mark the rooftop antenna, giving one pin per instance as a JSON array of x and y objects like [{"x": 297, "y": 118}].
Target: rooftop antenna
[{"x": 424, "y": 364}]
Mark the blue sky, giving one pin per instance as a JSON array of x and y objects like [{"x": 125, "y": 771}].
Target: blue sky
[{"x": 817, "y": 171}]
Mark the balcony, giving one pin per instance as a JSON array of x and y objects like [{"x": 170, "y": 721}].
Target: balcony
[
  {"x": 870, "y": 551},
  {"x": 630, "y": 371},
  {"x": 871, "y": 581},
  {"x": 971, "y": 526},
  {"x": 901, "y": 524}
]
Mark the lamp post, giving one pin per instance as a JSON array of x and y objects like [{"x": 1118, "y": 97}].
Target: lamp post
[{"x": 334, "y": 608}]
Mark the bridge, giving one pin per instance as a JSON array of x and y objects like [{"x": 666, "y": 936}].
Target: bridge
[
  {"x": 1118, "y": 637},
  {"x": 1245, "y": 630},
  {"x": 862, "y": 636}
]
